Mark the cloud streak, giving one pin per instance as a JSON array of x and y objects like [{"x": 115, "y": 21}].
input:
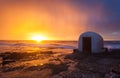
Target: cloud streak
[{"x": 58, "y": 18}]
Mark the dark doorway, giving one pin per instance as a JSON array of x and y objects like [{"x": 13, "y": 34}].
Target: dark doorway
[{"x": 87, "y": 44}]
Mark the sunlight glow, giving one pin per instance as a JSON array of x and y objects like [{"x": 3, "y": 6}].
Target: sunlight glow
[{"x": 38, "y": 38}]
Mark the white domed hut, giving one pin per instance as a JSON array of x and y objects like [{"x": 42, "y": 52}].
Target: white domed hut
[{"x": 90, "y": 42}]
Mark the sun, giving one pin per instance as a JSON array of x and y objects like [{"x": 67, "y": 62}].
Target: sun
[{"x": 38, "y": 38}]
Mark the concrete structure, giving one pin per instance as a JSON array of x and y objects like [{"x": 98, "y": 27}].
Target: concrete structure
[{"x": 90, "y": 42}]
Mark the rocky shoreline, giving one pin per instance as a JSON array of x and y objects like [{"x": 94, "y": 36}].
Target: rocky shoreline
[
  {"x": 72, "y": 65},
  {"x": 100, "y": 65}
]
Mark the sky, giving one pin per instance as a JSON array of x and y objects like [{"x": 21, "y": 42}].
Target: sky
[{"x": 59, "y": 19}]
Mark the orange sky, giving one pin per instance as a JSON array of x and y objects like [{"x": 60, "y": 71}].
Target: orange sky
[
  {"x": 55, "y": 20},
  {"x": 21, "y": 20}
]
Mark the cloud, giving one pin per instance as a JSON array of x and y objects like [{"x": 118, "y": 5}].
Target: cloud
[
  {"x": 60, "y": 18},
  {"x": 56, "y": 19}
]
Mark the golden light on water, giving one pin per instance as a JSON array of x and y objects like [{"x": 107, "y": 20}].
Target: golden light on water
[{"x": 38, "y": 38}]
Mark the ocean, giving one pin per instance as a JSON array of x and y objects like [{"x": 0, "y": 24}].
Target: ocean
[
  {"x": 52, "y": 59},
  {"x": 33, "y": 46}
]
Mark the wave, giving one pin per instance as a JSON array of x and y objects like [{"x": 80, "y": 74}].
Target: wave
[{"x": 50, "y": 45}]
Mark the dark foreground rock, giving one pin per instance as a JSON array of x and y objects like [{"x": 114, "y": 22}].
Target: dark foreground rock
[
  {"x": 74, "y": 65},
  {"x": 101, "y": 65}
]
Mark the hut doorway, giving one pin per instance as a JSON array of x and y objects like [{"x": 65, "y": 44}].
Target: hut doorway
[{"x": 87, "y": 44}]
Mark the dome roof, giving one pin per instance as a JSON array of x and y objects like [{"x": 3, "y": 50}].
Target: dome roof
[
  {"x": 96, "y": 41},
  {"x": 89, "y": 33}
]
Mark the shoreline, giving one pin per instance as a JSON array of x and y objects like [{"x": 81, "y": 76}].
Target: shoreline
[{"x": 67, "y": 65}]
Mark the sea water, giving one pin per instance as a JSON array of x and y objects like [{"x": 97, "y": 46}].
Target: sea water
[
  {"x": 41, "y": 65},
  {"x": 33, "y": 46}
]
